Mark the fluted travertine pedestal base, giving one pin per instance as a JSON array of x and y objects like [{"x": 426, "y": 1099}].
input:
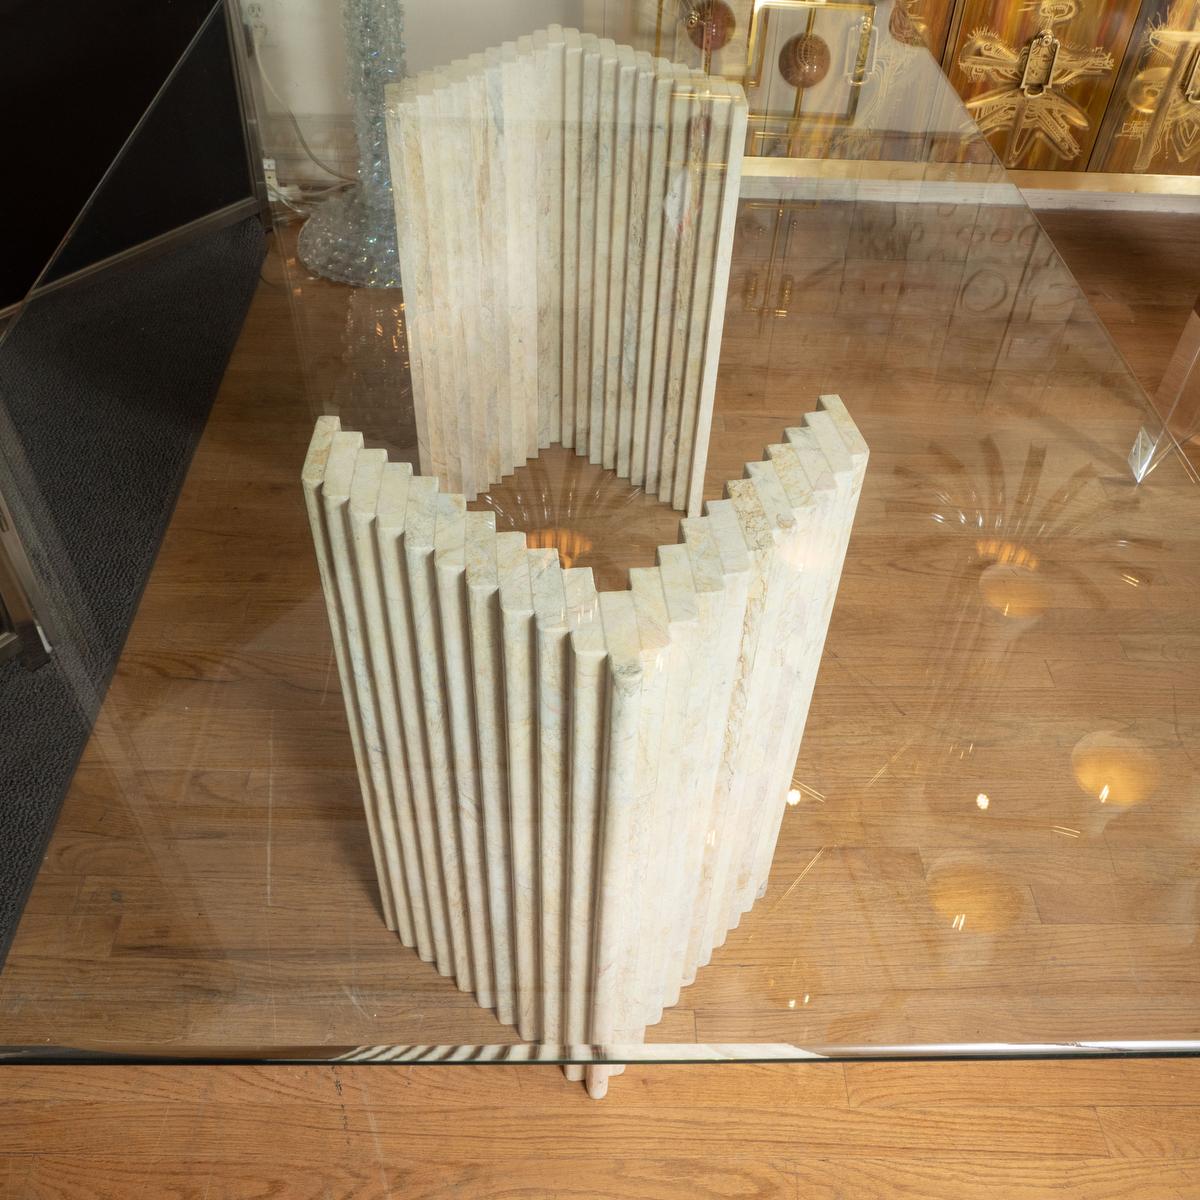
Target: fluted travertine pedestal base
[
  {"x": 565, "y": 209},
  {"x": 573, "y": 795}
]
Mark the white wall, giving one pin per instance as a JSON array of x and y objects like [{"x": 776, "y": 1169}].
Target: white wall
[{"x": 301, "y": 51}]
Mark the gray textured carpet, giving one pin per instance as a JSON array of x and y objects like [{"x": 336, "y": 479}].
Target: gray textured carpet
[{"x": 106, "y": 386}]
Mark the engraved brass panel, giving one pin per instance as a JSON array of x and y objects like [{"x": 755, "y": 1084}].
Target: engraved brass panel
[
  {"x": 1036, "y": 76},
  {"x": 928, "y": 19},
  {"x": 1153, "y": 123}
]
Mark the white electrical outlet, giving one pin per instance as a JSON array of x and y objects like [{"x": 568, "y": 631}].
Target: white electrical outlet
[
  {"x": 275, "y": 189},
  {"x": 254, "y": 13}
]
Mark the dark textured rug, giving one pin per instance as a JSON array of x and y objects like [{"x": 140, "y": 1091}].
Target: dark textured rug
[{"x": 105, "y": 388}]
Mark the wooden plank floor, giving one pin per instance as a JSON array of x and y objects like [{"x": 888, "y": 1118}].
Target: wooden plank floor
[
  {"x": 1140, "y": 273},
  {"x": 209, "y": 881},
  {"x": 1111, "y": 1130},
  {"x": 223, "y": 893}
]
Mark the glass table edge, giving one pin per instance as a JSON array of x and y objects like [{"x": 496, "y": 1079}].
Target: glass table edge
[{"x": 555, "y": 1055}]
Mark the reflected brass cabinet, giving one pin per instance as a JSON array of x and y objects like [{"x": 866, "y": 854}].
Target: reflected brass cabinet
[
  {"x": 1037, "y": 77},
  {"x": 1153, "y": 120},
  {"x": 1054, "y": 85}
]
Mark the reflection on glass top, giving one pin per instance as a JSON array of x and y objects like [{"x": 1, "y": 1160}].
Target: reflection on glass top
[{"x": 992, "y": 833}]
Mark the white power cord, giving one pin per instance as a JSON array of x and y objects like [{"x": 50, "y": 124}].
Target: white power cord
[{"x": 255, "y": 34}]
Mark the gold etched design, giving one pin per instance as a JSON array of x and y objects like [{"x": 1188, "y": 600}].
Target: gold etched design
[
  {"x": 1028, "y": 101},
  {"x": 1166, "y": 96},
  {"x": 1053, "y": 12}
]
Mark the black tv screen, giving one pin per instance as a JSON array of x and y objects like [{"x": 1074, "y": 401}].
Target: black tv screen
[{"x": 77, "y": 76}]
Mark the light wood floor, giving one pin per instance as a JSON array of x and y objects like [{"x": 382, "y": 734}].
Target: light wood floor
[
  {"x": 1010, "y": 605},
  {"x": 209, "y": 881},
  {"x": 1141, "y": 276},
  {"x": 926, "y": 1131}
]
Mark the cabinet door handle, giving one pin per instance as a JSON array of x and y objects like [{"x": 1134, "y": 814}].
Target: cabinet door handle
[{"x": 1040, "y": 61}]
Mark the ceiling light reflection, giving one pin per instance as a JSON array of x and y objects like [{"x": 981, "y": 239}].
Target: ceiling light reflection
[
  {"x": 973, "y": 897},
  {"x": 1015, "y": 592},
  {"x": 1116, "y": 768}
]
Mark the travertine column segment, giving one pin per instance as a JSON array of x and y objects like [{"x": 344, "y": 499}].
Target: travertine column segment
[
  {"x": 621, "y": 248},
  {"x": 572, "y": 105},
  {"x": 549, "y": 49},
  {"x": 412, "y": 238},
  {"x": 589, "y": 148},
  {"x": 419, "y": 525},
  {"x": 316, "y": 467},
  {"x": 396, "y": 497},
  {"x": 657, "y": 146},
  {"x": 672, "y": 207},
  {"x": 573, "y": 796},
  {"x": 553, "y": 710},
  {"x": 694, "y": 110},
  {"x": 403, "y": 732},
  {"x": 520, "y": 685},
  {"x": 768, "y": 523},
  {"x": 524, "y": 119},
  {"x": 618, "y": 825},
  {"x": 494, "y": 244},
  {"x": 458, "y": 176},
  {"x": 755, "y": 529},
  {"x": 834, "y": 433},
  {"x": 602, "y": 239},
  {"x": 493, "y": 404},
  {"x": 741, "y": 564},
  {"x": 695, "y": 319},
  {"x": 516, "y": 232},
  {"x": 517, "y": 222},
  {"x": 450, "y": 570},
  {"x": 694, "y": 627},
  {"x": 395, "y": 805},
  {"x": 813, "y": 496},
  {"x": 588, "y": 688},
  {"x": 658, "y": 748},
  {"x": 730, "y": 166},
  {"x": 814, "y": 501},
  {"x": 563, "y": 274},
  {"x": 487, "y": 665},
  {"x": 442, "y": 408},
  {"x": 638, "y": 169},
  {"x": 721, "y": 570},
  {"x": 339, "y": 478}
]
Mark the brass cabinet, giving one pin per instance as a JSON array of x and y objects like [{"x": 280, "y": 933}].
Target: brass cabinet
[
  {"x": 1054, "y": 85},
  {"x": 1153, "y": 119},
  {"x": 1037, "y": 77}
]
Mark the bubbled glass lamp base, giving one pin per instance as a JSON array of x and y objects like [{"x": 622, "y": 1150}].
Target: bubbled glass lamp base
[
  {"x": 351, "y": 236},
  {"x": 349, "y": 240}
]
